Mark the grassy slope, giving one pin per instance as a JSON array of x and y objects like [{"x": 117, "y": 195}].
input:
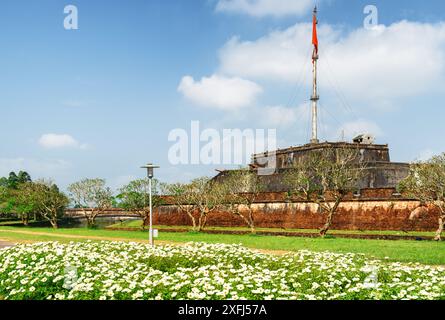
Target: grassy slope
[{"x": 426, "y": 252}]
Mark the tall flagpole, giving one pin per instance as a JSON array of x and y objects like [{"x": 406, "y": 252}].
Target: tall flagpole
[{"x": 314, "y": 97}]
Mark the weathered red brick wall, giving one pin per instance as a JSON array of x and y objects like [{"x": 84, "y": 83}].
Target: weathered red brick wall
[
  {"x": 373, "y": 209},
  {"x": 352, "y": 215}
]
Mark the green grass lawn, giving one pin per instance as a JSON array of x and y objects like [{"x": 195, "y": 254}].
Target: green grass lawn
[
  {"x": 426, "y": 252},
  {"x": 138, "y": 223}
]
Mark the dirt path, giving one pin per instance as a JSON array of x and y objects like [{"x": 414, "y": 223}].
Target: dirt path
[
  {"x": 73, "y": 236},
  {"x": 5, "y": 244}
]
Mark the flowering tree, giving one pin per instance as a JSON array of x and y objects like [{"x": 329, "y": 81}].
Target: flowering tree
[
  {"x": 134, "y": 197},
  {"x": 92, "y": 196},
  {"x": 241, "y": 188},
  {"x": 184, "y": 197},
  {"x": 325, "y": 177},
  {"x": 426, "y": 182},
  {"x": 208, "y": 197}
]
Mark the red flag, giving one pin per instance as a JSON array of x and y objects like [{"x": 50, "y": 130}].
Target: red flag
[{"x": 314, "y": 36}]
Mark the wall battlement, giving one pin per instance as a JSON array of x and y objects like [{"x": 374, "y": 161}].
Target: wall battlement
[{"x": 380, "y": 172}]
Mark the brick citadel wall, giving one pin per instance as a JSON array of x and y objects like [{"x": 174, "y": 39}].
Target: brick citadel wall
[
  {"x": 369, "y": 215},
  {"x": 374, "y": 209}
]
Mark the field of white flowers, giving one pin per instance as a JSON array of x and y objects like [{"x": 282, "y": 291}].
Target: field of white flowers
[{"x": 119, "y": 270}]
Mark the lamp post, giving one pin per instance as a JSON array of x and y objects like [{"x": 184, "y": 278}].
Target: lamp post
[{"x": 150, "y": 168}]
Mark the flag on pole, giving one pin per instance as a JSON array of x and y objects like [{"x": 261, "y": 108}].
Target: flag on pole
[{"x": 314, "y": 36}]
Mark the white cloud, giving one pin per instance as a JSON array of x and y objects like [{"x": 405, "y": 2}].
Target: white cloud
[
  {"x": 261, "y": 8},
  {"x": 386, "y": 63},
  {"x": 220, "y": 92},
  {"x": 353, "y": 128},
  {"x": 278, "y": 116},
  {"x": 54, "y": 141},
  {"x": 280, "y": 55}
]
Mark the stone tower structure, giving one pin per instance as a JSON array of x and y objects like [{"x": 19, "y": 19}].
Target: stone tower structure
[{"x": 381, "y": 173}]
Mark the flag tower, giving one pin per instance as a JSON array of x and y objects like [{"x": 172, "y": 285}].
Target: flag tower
[{"x": 314, "y": 97}]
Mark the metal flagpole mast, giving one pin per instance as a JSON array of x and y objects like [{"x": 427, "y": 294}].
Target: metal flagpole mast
[{"x": 314, "y": 97}]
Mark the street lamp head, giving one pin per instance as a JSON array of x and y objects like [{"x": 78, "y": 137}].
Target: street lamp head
[{"x": 150, "y": 168}]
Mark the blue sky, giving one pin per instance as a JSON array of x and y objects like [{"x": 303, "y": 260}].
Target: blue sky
[{"x": 100, "y": 101}]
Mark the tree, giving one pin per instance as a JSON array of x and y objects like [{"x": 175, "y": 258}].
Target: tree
[
  {"x": 426, "y": 182},
  {"x": 184, "y": 197},
  {"x": 24, "y": 202},
  {"x": 4, "y": 182},
  {"x": 47, "y": 199},
  {"x": 23, "y": 177},
  {"x": 22, "y": 197},
  {"x": 208, "y": 197},
  {"x": 12, "y": 199},
  {"x": 3, "y": 193},
  {"x": 134, "y": 197},
  {"x": 11, "y": 203},
  {"x": 92, "y": 196},
  {"x": 4, "y": 199},
  {"x": 13, "y": 180},
  {"x": 325, "y": 177},
  {"x": 241, "y": 188}
]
